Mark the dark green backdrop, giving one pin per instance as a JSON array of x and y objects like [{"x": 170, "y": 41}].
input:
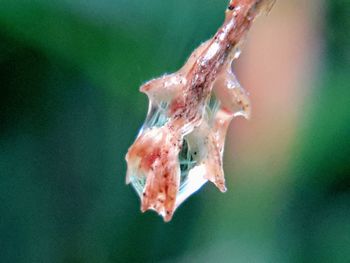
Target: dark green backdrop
[{"x": 70, "y": 107}]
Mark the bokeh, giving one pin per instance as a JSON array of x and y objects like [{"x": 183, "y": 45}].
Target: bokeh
[{"x": 70, "y": 108}]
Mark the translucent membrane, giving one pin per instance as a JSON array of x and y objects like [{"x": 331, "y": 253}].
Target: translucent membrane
[{"x": 192, "y": 172}]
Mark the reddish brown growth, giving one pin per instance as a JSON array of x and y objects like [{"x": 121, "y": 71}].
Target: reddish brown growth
[{"x": 181, "y": 144}]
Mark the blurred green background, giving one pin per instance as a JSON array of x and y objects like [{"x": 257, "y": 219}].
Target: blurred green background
[{"x": 70, "y": 108}]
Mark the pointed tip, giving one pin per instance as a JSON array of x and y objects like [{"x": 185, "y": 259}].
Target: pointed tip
[
  {"x": 247, "y": 116},
  {"x": 223, "y": 189},
  {"x": 221, "y": 186},
  {"x": 146, "y": 88},
  {"x": 167, "y": 217},
  {"x": 144, "y": 203}
]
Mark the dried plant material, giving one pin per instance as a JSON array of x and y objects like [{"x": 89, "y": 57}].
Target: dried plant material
[{"x": 180, "y": 146}]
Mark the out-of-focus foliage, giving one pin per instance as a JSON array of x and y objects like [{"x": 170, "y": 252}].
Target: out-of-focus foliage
[
  {"x": 70, "y": 107},
  {"x": 319, "y": 210}
]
